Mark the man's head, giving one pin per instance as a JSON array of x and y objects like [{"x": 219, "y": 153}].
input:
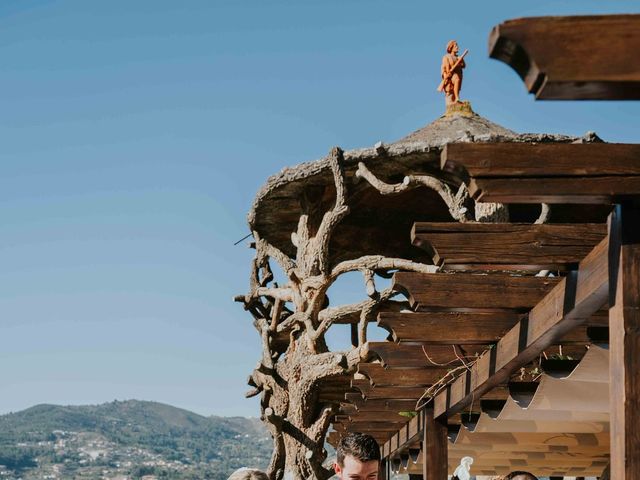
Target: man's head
[
  {"x": 452, "y": 47},
  {"x": 520, "y": 476},
  {"x": 358, "y": 457}
]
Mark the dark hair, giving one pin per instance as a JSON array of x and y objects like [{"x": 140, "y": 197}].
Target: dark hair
[
  {"x": 361, "y": 446},
  {"x": 527, "y": 475}
]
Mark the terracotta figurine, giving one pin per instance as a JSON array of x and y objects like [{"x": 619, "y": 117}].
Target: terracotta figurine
[{"x": 451, "y": 71}]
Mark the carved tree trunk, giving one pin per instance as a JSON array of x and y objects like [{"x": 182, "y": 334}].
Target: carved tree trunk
[
  {"x": 288, "y": 380},
  {"x": 305, "y": 429}
]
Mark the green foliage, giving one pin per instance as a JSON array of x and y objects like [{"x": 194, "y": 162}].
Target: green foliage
[{"x": 408, "y": 414}]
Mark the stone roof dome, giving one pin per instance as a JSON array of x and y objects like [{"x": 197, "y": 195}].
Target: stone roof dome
[{"x": 462, "y": 123}]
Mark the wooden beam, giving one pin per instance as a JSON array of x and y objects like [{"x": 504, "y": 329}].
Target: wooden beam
[
  {"x": 435, "y": 451},
  {"x": 624, "y": 333},
  {"x": 549, "y": 173},
  {"x": 448, "y": 328},
  {"x": 400, "y": 377},
  {"x": 527, "y": 160},
  {"x": 589, "y": 190},
  {"x": 467, "y": 292},
  {"x": 434, "y": 328},
  {"x": 392, "y": 392},
  {"x": 377, "y": 426},
  {"x": 373, "y": 416},
  {"x": 394, "y": 355},
  {"x": 571, "y": 302},
  {"x": 377, "y": 430},
  {"x": 333, "y": 438},
  {"x": 507, "y": 246},
  {"x": 574, "y": 57},
  {"x": 381, "y": 404}
]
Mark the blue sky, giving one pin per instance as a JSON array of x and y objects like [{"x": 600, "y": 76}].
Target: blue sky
[{"x": 134, "y": 135}]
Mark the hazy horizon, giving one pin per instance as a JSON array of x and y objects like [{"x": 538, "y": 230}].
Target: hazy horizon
[{"x": 250, "y": 417}]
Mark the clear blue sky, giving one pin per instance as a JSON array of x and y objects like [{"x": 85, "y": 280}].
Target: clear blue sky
[{"x": 133, "y": 136}]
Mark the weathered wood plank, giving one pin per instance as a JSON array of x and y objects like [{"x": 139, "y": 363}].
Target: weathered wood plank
[
  {"x": 448, "y": 328},
  {"x": 570, "y": 303},
  {"x": 520, "y": 246},
  {"x": 624, "y": 333},
  {"x": 333, "y": 438},
  {"x": 393, "y": 392},
  {"x": 573, "y": 57},
  {"x": 373, "y": 416},
  {"x": 590, "y": 190},
  {"x": 400, "y": 377},
  {"x": 467, "y": 292},
  {"x": 500, "y": 160},
  {"x": 381, "y": 404},
  {"x": 435, "y": 448},
  {"x": 394, "y": 355}
]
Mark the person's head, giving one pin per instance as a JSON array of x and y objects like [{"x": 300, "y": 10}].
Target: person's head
[
  {"x": 519, "y": 475},
  {"x": 452, "y": 47},
  {"x": 248, "y": 474},
  {"x": 358, "y": 457}
]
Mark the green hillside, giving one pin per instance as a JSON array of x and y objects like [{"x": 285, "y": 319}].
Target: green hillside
[{"x": 130, "y": 438}]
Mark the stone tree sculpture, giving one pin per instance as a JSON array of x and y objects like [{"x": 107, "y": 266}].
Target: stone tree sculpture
[{"x": 292, "y": 317}]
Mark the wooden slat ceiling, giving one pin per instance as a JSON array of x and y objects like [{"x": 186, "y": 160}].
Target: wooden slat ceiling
[
  {"x": 462, "y": 327},
  {"x": 572, "y": 58}
]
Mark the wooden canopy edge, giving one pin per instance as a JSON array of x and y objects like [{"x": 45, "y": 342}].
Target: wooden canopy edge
[
  {"x": 572, "y": 57},
  {"x": 594, "y": 173}
]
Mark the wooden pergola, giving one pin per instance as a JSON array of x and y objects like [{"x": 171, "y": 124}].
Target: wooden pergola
[{"x": 492, "y": 329}]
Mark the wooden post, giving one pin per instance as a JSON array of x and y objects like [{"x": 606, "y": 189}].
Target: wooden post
[
  {"x": 435, "y": 444},
  {"x": 624, "y": 327},
  {"x": 383, "y": 470},
  {"x": 354, "y": 335}
]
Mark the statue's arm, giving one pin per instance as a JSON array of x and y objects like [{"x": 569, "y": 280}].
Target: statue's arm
[{"x": 446, "y": 66}]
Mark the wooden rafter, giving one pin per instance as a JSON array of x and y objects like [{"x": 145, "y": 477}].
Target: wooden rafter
[
  {"x": 572, "y": 58},
  {"x": 546, "y": 173},
  {"x": 393, "y": 355},
  {"x": 448, "y": 328},
  {"x": 507, "y": 246},
  {"x": 400, "y": 377},
  {"x": 467, "y": 292},
  {"x": 388, "y": 392},
  {"x": 380, "y": 404}
]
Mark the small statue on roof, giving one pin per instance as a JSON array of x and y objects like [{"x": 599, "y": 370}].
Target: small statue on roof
[{"x": 451, "y": 71}]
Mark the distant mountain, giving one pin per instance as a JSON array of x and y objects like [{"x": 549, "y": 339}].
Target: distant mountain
[{"x": 129, "y": 439}]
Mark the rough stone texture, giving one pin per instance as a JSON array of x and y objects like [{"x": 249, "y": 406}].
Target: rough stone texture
[
  {"x": 455, "y": 126},
  {"x": 276, "y": 208}
]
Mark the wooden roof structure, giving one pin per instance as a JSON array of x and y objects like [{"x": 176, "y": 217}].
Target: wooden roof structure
[{"x": 522, "y": 370}]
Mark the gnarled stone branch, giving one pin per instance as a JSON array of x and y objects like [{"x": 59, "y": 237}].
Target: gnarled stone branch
[
  {"x": 545, "y": 214},
  {"x": 379, "y": 262},
  {"x": 460, "y": 204},
  {"x": 333, "y": 217}
]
